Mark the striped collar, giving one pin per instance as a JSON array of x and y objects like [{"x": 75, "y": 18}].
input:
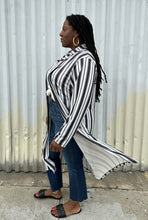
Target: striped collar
[{"x": 71, "y": 52}]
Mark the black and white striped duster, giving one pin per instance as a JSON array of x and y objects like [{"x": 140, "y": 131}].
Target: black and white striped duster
[{"x": 73, "y": 81}]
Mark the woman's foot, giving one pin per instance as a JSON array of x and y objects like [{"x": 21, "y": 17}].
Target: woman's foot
[
  {"x": 47, "y": 193},
  {"x": 71, "y": 207},
  {"x": 57, "y": 194}
]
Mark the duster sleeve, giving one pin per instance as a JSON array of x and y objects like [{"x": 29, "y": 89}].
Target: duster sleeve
[{"x": 84, "y": 73}]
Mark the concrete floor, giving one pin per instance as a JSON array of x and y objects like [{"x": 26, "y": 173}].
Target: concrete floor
[{"x": 119, "y": 196}]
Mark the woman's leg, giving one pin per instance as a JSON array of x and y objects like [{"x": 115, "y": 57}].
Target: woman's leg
[
  {"x": 55, "y": 179},
  {"x": 78, "y": 190},
  {"x": 74, "y": 159}
]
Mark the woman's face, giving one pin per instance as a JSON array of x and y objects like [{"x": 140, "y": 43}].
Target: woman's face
[{"x": 67, "y": 34}]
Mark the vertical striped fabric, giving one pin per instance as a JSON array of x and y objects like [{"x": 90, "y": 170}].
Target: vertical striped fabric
[{"x": 73, "y": 81}]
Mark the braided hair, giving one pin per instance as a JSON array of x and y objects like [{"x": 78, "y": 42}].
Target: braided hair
[{"x": 85, "y": 30}]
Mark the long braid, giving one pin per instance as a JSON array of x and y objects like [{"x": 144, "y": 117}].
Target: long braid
[{"x": 83, "y": 26}]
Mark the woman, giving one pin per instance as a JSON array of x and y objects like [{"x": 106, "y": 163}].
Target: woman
[{"x": 73, "y": 84}]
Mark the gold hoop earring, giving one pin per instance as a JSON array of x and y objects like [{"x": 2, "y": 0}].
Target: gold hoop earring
[{"x": 75, "y": 44}]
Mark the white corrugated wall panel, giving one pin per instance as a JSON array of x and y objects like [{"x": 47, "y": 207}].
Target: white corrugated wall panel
[
  {"x": 127, "y": 67},
  {"x": 29, "y": 45}
]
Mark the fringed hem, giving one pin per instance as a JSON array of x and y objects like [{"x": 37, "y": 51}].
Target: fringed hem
[{"x": 114, "y": 168}]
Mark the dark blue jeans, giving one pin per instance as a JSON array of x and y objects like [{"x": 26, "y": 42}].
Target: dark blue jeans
[{"x": 73, "y": 157}]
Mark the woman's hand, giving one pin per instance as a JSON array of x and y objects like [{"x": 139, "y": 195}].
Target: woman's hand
[{"x": 55, "y": 147}]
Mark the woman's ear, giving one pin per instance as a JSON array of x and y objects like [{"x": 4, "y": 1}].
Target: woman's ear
[{"x": 77, "y": 35}]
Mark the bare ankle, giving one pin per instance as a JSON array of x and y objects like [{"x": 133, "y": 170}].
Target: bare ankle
[{"x": 73, "y": 203}]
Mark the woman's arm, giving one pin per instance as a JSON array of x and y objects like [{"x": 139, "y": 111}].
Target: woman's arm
[{"x": 81, "y": 98}]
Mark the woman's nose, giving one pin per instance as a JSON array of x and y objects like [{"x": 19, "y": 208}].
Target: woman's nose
[{"x": 60, "y": 34}]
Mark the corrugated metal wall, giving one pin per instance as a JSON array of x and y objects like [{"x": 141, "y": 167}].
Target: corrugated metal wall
[{"x": 29, "y": 44}]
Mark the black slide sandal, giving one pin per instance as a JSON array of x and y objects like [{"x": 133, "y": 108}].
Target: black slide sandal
[{"x": 61, "y": 212}]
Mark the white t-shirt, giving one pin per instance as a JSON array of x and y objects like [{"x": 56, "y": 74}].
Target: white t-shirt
[{"x": 49, "y": 93}]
